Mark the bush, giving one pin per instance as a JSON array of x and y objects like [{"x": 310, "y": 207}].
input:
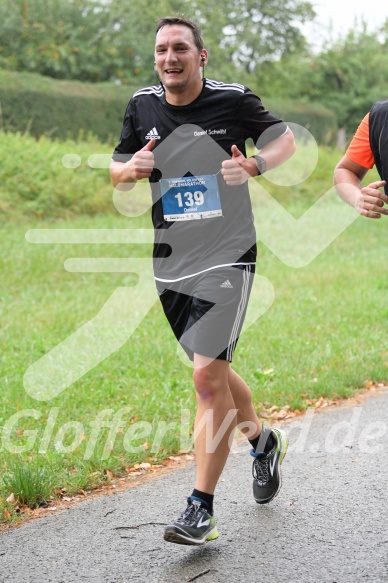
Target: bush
[
  {"x": 43, "y": 106},
  {"x": 61, "y": 116},
  {"x": 318, "y": 120}
]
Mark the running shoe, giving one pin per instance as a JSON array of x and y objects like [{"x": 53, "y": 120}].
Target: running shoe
[
  {"x": 195, "y": 526},
  {"x": 267, "y": 479}
]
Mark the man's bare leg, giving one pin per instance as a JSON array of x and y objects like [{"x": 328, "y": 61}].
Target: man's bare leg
[
  {"x": 215, "y": 408},
  {"x": 247, "y": 418},
  {"x": 272, "y": 442}
]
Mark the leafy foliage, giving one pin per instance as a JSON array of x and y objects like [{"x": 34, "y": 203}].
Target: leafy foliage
[
  {"x": 38, "y": 105},
  {"x": 260, "y": 31},
  {"x": 318, "y": 120},
  {"x": 68, "y": 109},
  {"x": 346, "y": 84},
  {"x": 58, "y": 38},
  {"x": 97, "y": 41},
  {"x": 347, "y": 76}
]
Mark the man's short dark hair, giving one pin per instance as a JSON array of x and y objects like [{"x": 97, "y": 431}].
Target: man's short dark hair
[{"x": 182, "y": 21}]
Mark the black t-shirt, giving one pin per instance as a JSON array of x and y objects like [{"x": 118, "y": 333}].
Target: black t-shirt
[{"x": 200, "y": 222}]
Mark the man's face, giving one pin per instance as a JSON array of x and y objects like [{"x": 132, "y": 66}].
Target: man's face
[{"x": 177, "y": 59}]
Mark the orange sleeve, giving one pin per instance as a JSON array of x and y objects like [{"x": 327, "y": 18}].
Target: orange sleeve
[{"x": 359, "y": 150}]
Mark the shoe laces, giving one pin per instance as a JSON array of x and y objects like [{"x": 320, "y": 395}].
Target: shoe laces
[
  {"x": 190, "y": 515},
  {"x": 260, "y": 469}
]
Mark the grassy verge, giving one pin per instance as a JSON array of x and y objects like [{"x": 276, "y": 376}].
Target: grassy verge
[
  {"x": 47, "y": 178},
  {"x": 324, "y": 335}
]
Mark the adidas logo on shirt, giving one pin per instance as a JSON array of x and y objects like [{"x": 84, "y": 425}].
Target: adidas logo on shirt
[
  {"x": 153, "y": 134},
  {"x": 226, "y": 284}
]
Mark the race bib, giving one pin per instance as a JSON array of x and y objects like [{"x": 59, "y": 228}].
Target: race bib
[{"x": 190, "y": 197}]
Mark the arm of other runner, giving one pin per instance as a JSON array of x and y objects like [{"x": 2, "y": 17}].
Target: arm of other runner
[{"x": 368, "y": 200}]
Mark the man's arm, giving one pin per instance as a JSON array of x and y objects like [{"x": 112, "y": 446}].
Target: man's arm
[
  {"x": 368, "y": 200},
  {"x": 238, "y": 169},
  {"x": 278, "y": 151},
  {"x": 124, "y": 175}
]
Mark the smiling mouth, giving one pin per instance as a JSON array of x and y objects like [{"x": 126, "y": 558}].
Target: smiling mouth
[{"x": 173, "y": 71}]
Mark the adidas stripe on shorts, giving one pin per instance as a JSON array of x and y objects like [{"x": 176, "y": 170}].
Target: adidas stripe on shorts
[{"x": 206, "y": 311}]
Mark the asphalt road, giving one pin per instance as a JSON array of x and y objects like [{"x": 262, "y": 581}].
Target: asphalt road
[{"x": 327, "y": 525}]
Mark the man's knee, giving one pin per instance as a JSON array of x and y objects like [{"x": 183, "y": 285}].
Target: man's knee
[{"x": 207, "y": 382}]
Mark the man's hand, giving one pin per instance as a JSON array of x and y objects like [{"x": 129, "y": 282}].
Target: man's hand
[
  {"x": 125, "y": 174},
  {"x": 238, "y": 169},
  {"x": 142, "y": 163},
  {"x": 368, "y": 200},
  {"x": 371, "y": 200}
]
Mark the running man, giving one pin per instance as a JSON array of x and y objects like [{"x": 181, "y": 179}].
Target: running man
[{"x": 187, "y": 136}]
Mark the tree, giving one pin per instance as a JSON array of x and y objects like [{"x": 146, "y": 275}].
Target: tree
[
  {"x": 348, "y": 75},
  {"x": 106, "y": 40},
  {"x": 58, "y": 38},
  {"x": 259, "y": 31}
]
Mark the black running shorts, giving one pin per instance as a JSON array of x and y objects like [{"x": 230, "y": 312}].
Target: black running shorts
[{"x": 206, "y": 311}]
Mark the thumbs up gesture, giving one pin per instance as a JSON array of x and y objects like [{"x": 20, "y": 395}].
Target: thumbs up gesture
[
  {"x": 142, "y": 163},
  {"x": 238, "y": 168}
]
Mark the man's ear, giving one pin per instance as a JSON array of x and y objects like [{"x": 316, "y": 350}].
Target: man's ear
[{"x": 203, "y": 58}]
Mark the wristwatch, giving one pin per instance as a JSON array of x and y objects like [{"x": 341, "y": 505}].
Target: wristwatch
[{"x": 261, "y": 164}]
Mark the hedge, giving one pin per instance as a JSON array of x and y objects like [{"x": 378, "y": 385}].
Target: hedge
[{"x": 38, "y": 105}]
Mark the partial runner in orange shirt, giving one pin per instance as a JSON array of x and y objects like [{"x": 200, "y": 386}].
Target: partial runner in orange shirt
[{"x": 352, "y": 168}]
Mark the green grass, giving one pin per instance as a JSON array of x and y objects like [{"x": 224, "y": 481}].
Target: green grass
[
  {"x": 324, "y": 335},
  {"x": 35, "y": 182},
  {"x": 31, "y": 484}
]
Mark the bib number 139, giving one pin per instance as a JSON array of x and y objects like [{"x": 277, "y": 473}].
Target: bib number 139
[{"x": 189, "y": 199}]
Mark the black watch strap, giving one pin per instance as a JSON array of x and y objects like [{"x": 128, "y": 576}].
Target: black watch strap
[{"x": 260, "y": 163}]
